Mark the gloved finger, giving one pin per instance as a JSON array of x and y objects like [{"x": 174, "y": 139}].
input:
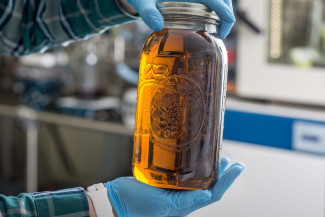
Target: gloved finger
[
  {"x": 224, "y": 162},
  {"x": 224, "y": 29},
  {"x": 149, "y": 13},
  {"x": 183, "y": 199},
  {"x": 226, "y": 180},
  {"x": 222, "y": 9},
  {"x": 237, "y": 164},
  {"x": 229, "y": 3}
]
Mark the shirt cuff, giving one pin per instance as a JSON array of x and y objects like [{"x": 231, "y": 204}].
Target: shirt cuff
[
  {"x": 72, "y": 202},
  {"x": 3, "y": 211}
]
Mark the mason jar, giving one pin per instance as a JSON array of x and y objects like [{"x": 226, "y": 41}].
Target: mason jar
[{"x": 181, "y": 100}]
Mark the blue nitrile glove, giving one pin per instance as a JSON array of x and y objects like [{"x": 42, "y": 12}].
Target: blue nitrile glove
[
  {"x": 131, "y": 198},
  {"x": 149, "y": 13}
]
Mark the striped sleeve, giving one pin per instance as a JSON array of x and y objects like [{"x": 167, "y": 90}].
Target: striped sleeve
[
  {"x": 18, "y": 206},
  {"x": 68, "y": 202},
  {"x": 28, "y": 26}
]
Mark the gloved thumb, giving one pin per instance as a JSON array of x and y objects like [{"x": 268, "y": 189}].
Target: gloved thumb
[
  {"x": 185, "y": 199},
  {"x": 149, "y": 13},
  {"x": 226, "y": 179}
]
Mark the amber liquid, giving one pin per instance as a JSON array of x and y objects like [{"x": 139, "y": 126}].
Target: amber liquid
[{"x": 178, "y": 126}]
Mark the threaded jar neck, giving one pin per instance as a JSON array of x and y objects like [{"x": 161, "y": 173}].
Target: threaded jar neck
[
  {"x": 187, "y": 15},
  {"x": 197, "y": 23}
]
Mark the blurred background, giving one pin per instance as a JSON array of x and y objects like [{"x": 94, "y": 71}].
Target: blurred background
[{"x": 67, "y": 115}]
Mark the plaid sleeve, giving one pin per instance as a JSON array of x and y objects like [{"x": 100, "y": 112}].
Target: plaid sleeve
[
  {"x": 35, "y": 25},
  {"x": 68, "y": 202}
]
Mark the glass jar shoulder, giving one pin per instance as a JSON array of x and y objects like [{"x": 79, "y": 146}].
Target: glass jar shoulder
[
  {"x": 181, "y": 41},
  {"x": 220, "y": 47}
]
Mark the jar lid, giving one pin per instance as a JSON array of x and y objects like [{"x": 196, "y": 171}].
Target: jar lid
[{"x": 187, "y": 8}]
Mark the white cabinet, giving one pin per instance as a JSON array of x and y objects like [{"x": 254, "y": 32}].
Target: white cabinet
[
  {"x": 264, "y": 70},
  {"x": 275, "y": 183}
]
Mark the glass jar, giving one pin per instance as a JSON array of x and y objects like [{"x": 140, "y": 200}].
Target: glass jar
[{"x": 181, "y": 100}]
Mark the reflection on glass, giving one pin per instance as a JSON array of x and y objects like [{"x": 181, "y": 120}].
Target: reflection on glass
[{"x": 297, "y": 32}]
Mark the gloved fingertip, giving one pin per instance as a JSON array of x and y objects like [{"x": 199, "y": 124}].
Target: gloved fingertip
[
  {"x": 225, "y": 158},
  {"x": 233, "y": 172},
  {"x": 240, "y": 164},
  {"x": 223, "y": 35},
  {"x": 154, "y": 21},
  {"x": 225, "y": 29},
  {"x": 224, "y": 161},
  {"x": 151, "y": 15},
  {"x": 226, "y": 180},
  {"x": 156, "y": 24}
]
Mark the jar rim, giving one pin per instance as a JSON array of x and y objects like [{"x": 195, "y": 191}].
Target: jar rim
[{"x": 187, "y": 8}]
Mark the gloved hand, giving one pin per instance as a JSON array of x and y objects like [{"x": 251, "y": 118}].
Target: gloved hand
[
  {"x": 149, "y": 13},
  {"x": 131, "y": 198}
]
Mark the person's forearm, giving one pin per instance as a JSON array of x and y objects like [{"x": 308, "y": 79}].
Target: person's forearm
[
  {"x": 127, "y": 7},
  {"x": 27, "y": 28},
  {"x": 47, "y": 203},
  {"x": 114, "y": 213},
  {"x": 92, "y": 212}
]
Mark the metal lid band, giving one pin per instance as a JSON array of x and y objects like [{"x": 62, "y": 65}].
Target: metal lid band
[{"x": 187, "y": 8}]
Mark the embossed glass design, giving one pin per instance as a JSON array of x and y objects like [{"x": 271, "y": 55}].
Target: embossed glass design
[{"x": 180, "y": 107}]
